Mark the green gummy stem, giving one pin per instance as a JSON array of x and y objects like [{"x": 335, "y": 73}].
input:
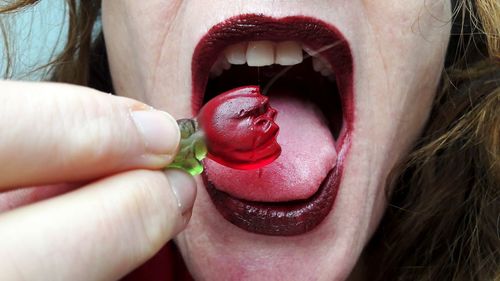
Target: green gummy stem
[{"x": 192, "y": 148}]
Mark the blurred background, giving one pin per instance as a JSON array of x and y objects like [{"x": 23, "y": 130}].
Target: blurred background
[{"x": 34, "y": 35}]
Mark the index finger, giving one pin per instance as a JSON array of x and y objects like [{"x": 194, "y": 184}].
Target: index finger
[{"x": 53, "y": 133}]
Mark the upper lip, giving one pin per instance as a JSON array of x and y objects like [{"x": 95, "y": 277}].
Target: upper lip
[
  {"x": 295, "y": 217},
  {"x": 315, "y": 34}
]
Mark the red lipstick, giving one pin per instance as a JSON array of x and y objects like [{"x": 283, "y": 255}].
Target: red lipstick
[{"x": 289, "y": 217}]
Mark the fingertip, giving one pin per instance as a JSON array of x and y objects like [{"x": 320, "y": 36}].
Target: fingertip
[{"x": 159, "y": 131}]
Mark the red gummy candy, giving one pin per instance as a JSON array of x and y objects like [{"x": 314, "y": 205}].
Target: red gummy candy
[{"x": 239, "y": 129}]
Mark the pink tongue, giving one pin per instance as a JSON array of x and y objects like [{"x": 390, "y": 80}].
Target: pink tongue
[{"x": 308, "y": 154}]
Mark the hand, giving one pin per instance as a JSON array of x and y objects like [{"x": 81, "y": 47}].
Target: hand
[{"x": 126, "y": 211}]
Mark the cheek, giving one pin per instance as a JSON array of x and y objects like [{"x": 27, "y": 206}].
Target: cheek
[
  {"x": 410, "y": 36},
  {"x": 135, "y": 33},
  {"x": 407, "y": 49}
]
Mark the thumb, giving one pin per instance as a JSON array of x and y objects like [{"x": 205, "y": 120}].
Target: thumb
[
  {"x": 98, "y": 232},
  {"x": 184, "y": 189}
]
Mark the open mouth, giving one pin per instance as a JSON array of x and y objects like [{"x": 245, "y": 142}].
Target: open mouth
[{"x": 305, "y": 67}]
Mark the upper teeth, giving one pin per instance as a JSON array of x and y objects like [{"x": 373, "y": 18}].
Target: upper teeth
[
  {"x": 236, "y": 54},
  {"x": 320, "y": 65},
  {"x": 260, "y": 53},
  {"x": 263, "y": 53},
  {"x": 288, "y": 53}
]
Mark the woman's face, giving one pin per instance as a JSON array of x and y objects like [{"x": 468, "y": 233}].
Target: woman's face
[{"x": 386, "y": 60}]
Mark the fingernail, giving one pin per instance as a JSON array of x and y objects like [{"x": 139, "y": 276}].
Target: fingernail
[
  {"x": 184, "y": 188},
  {"x": 159, "y": 130}
]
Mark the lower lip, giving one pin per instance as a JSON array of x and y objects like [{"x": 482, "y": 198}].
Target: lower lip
[
  {"x": 283, "y": 218},
  {"x": 279, "y": 219}
]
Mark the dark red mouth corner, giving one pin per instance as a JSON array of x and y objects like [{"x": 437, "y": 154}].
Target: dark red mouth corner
[{"x": 297, "y": 216}]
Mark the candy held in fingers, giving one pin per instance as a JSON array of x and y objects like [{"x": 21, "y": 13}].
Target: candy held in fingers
[
  {"x": 192, "y": 148},
  {"x": 237, "y": 128}
]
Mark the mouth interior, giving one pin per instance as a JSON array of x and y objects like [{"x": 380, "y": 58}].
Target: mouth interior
[
  {"x": 311, "y": 119},
  {"x": 312, "y": 86}
]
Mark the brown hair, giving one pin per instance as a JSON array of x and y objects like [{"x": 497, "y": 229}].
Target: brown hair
[{"x": 442, "y": 219}]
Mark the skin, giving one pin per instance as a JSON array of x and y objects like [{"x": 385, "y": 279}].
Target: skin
[
  {"x": 55, "y": 133},
  {"x": 398, "y": 49}
]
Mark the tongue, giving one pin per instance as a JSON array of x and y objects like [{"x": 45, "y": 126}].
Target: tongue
[{"x": 307, "y": 155}]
